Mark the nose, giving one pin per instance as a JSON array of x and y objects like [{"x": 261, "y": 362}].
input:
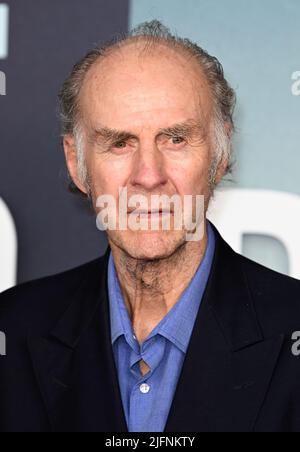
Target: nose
[{"x": 148, "y": 170}]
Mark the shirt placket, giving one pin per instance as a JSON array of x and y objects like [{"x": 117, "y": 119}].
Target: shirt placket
[{"x": 143, "y": 392}]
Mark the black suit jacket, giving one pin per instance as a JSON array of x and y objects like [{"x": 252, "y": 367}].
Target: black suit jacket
[{"x": 239, "y": 374}]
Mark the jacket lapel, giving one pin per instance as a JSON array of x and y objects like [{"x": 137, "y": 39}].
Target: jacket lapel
[
  {"x": 74, "y": 366},
  {"x": 229, "y": 364}
]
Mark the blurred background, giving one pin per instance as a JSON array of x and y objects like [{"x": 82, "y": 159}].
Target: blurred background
[{"x": 43, "y": 228}]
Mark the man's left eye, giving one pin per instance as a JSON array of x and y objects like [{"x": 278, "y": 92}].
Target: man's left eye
[{"x": 177, "y": 140}]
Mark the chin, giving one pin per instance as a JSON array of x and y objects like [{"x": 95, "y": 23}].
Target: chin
[{"x": 153, "y": 246}]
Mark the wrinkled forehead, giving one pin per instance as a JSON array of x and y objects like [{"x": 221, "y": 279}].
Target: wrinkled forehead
[{"x": 130, "y": 86}]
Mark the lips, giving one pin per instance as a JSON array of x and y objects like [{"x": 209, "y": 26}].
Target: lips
[{"x": 150, "y": 212}]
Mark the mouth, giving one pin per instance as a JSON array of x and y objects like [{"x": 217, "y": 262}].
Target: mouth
[{"x": 155, "y": 212}]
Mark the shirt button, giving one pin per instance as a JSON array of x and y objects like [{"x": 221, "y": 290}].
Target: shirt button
[{"x": 144, "y": 388}]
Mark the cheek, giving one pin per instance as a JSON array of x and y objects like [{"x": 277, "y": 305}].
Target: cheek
[
  {"x": 107, "y": 175},
  {"x": 190, "y": 178}
]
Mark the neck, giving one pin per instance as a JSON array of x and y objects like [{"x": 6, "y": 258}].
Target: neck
[{"x": 151, "y": 288}]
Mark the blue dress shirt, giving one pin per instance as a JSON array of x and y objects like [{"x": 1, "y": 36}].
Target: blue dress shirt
[{"x": 147, "y": 399}]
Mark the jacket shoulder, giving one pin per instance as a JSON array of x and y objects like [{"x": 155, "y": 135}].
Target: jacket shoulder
[
  {"x": 268, "y": 280},
  {"x": 276, "y": 296},
  {"x": 43, "y": 300}
]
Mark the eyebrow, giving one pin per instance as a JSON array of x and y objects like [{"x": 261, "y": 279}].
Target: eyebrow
[{"x": 186, "y": 129}]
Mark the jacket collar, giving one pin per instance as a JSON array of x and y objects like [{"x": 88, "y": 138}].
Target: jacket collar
[
  {"x": 228, "y": 296},
  {"x": 89, "y": 294}
]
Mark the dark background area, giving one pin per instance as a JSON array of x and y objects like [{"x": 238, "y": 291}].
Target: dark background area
[{"x": 55, "y": 229}]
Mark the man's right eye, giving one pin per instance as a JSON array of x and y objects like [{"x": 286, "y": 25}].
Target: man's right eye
[{"x": 120, "y": 144}]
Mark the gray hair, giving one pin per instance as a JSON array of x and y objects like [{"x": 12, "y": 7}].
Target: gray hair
[{"x": 152, "y": 33}]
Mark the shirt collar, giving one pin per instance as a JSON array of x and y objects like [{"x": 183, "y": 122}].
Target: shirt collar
[{"x": 178, "y": 324}]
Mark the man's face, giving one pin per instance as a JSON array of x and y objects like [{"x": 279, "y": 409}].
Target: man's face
[{"x": 141, "y": 97}]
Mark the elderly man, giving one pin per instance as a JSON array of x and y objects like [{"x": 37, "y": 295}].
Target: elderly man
[{"x": 165, "y": 332}]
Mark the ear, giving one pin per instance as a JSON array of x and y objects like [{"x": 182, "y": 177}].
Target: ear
[
  {"x": 223, "y": 165},
  {"x": 222, "y": 168},
  {"x": 71, "y": 161}
]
